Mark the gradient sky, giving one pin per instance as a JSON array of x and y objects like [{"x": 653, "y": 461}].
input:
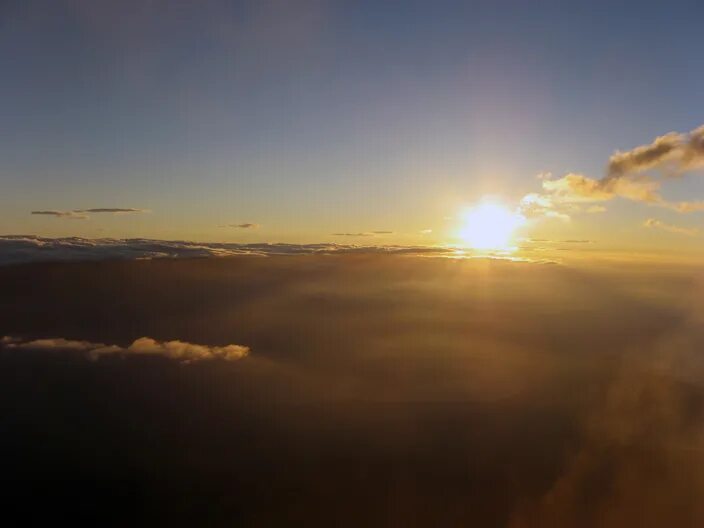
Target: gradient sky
[{"x": 318, "y": 117}]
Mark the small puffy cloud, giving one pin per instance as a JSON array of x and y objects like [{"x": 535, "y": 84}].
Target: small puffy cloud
[
  {"x": 176, "y": 350},
  {"x": 425, "y": 231},
  {"x": 657, "y": 224},
  {"x": 534, "y": 205},
  {"x": 182, "y": 351}
]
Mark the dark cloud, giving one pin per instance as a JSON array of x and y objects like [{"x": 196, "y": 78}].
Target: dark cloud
[
  {"x": 71, "y": 215},
  {"x": 422, "y": 391},
  {"x": 83, "y": 214},
  {"x": 110, "y": 210},
  {"x": 674, "y": 151},
  {"x": 640, "y": 430}
]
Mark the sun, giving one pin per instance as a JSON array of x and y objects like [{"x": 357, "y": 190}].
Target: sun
[{"x": 489, "y": 226}]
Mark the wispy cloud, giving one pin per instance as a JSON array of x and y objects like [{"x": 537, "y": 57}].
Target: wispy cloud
[
  {"x": 244, "y": 225},
  {"x": 28, "y": 248},
  {"x": 176, "y": 350},
  {"x": 83, "y": 214},
  {"x": 111, "y": 210},
  {"x": 70, "y": 215},
  {"x": 364, "y": 233},
  {"x": 657, "y": 224}
]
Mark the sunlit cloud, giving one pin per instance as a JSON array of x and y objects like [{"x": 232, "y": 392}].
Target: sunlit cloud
[
  {"x": 671, "y": 154},
  {"x": 177, "y": 350}
]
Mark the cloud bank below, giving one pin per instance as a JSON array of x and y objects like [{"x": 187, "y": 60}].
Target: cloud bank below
[{"x": 15, "y": 249}]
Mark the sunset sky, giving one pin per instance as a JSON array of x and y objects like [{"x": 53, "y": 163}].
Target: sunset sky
[
  {"x": 336, "y": 263},
  {"x": 352, "y": 122}
]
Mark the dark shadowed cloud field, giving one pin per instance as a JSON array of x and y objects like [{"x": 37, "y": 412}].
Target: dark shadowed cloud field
[{"x": 353, "y": 389}]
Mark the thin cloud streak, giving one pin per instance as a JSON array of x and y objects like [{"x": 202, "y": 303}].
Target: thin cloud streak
[
  {"x": 244, "y": 225},
  {"x": 654, "y": 223},
  {"x": 83, "y": 214},
  {"x": 71, "y": 215}
]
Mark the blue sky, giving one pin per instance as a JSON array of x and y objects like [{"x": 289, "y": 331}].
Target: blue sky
[{"x": 311, "y": 118}]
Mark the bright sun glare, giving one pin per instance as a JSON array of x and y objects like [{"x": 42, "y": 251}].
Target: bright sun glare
[{"x": 489, "y": 226}]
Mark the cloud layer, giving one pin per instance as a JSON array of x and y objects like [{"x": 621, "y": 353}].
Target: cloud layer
[
  {"x": 425, "y": 391},
  {"x": 19, "y": 248}
]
